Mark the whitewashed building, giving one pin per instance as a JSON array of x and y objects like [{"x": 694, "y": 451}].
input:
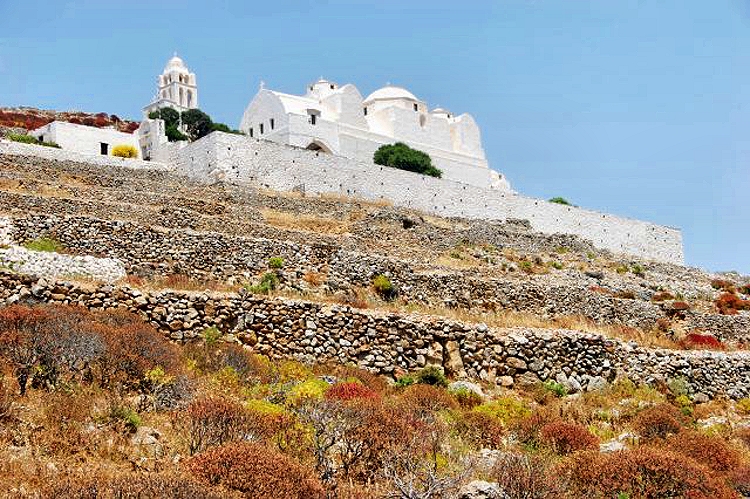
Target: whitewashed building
[
  {"x": 336, "y": 119},
  {"x": 84, "y": 139}
]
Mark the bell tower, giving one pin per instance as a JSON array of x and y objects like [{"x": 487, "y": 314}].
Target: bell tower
[{"x": 176, "y": 88}]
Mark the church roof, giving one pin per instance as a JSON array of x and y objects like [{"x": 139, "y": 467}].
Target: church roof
[
  {"x": 296, "y": 104},
  {"x": 390, "y": 92},
  {"x": 175, "y": 64}
]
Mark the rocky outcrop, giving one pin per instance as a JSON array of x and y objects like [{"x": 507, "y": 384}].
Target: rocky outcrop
[{"x": 30, "y": 118}]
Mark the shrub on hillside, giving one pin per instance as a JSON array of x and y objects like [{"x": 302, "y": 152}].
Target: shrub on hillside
[
  {"x": 349, "y": 390},
  {"x": 403, "y": 157},
  {"x": 467, "y": 399},
  {"x": 560, "y": 200},
  {"x": 44, "y": 244},
  {"x": 698, "y": 341},
  {"x": 125, "y": 151},
  {"x": 384, "y": 287},
  {"x": 526, "y": 476},
  {"x": 508, "y": 410},
  {"x": 659, "y": 421},
  {"x": 711, "y": 451},
  {"x": 275, "y": 262},
  {"x": 269, "y": 282},
  {"x": 730, "y": 304},
  {"x": 22, "y": 138},
  {"x": 133, "y": 485},
  {"x": 425, "y": 400},
  {"x": 431, "y": 375},
  {"x": 644, "y": 473},
  {"x": 212, "y": 421},
  {"x": 480, "y": 430},
  {"x": 723, "y": 285},
  {"x": 255, "y": 471},
  {"x": 565, "y": 438}
]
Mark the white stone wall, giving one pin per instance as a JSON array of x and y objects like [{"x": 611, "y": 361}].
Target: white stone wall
[
  {"x": 277, "y": 166},
  {"x": 51, "y": 153},
  {"x": 85, "y": 139}
]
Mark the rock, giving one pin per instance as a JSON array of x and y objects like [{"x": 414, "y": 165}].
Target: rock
[
  {"x": 506, "y": 381},
  {"x": 479, "y": 489},
  {"x": 596, "y": 383},
  {"x": 700, "y": 398},
  {"x": 515, "y": 363},
  {"x": 612, "y": 446},
  {"x": 453, "y": 364},
  {"x": 466, "y": 385},
  {"x": 145, "y": 435},
  {"x": 594, "y": 274},
  {"x": 527, "y": 380}
]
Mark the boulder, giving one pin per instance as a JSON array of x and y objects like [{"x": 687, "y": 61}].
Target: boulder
[{"x": 479, "y": 489}]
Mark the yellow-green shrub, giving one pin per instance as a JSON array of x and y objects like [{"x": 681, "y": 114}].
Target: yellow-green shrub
[
  {"x": 506, "y": 409},
  {"x": 743, "y": 406},
  {"x": 125, "y": 151},
  {"x": 310, "y": 389}
]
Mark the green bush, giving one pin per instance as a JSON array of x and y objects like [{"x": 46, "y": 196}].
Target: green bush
[
  {"x": 431, "y": 375},
  {"x": 174, "y": 134},
  {"x": 560, "y": 200},
  {"x": 197, "y": 123},
  {"x": 405, "y": 381},
  {"x": 403, "y": 157},
  {"x": 275, "y": 262},
  {"x": 22, "y": 138},
  {"x": 383, "y": 286},
  {"x": 44, "y": 244},
  {"x": 554, "y": 387},
  {"x": 268, "y": 283}
]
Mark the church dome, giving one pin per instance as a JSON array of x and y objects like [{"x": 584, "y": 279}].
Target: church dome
[
  {"x": 390, "y": 92},
  {"x": 175, "y": 64}
]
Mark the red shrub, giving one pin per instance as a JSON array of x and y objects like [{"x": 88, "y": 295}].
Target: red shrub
[
  {"x": 132, "y": 485},
  {"x": 698, "y": 341},
  {"x": 212, "y": 421},
  {"x": 722, "y": 284},
  {"x": 645, "y": 472},
  {"x": 730, "y": 303},
  {"x": 349, "y": 391},
  {"x": 565, "y": 438},
  {"x": 255, "y": 471},
  {"x": 680, "y": 306},
  {"x": 424, "y": 400},
  {"x": 712, "y": 451},
  {"x": 480, "y": 429},
  {"x": 526, "y": 476},
  {"x": 662, "y": 296},
  {"x": 743, "y": 435},
  {"x": 659, "y": 421},
  {"x": 739, "y": 480}
]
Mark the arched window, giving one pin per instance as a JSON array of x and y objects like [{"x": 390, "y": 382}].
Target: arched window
[
  {"x": 422, "y": 120},
  {"x": 189, "y": 98},
  {"x": 182, "y": 98}
]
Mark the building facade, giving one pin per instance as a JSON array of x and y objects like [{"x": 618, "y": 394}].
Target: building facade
[
  {"x": 338, "y": 120},
  {"x": 84, "y": 139}
]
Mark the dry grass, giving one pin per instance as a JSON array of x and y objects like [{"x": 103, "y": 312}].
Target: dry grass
[
  {"x": 308, "y": 223},
  {"x": 178, "y": 282}
]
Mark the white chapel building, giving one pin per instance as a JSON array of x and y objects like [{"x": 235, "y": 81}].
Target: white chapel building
[{"x": 336, "y": 119}]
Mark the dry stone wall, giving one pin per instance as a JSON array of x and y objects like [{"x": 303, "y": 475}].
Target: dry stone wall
[
  {"x": 228, "y": 157},
  {"x": 149, "y": 251},
  {"x": 390, "y": 344}
]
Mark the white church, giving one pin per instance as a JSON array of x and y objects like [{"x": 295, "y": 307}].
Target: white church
[
  {"x": 337, "y": 120},
  {"x": 329, "y": 118}
]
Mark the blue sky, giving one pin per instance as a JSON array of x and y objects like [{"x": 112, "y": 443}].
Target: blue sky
[{"x": 639, "y": 108}]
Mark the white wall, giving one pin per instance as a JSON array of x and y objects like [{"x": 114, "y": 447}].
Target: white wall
[
  {"x": 51, "y": 153},
  {"x": 281, "y": 167},
  {"x": 85, "y": 139}
]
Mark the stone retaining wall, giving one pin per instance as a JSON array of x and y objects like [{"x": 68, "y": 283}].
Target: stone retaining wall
[
  {"x": 151, "y": 250},
  {"x": 391, "y": 343}
]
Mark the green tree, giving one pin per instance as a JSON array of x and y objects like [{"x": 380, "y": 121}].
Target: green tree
[
  {"x": 221, "y": 127},
  {"x": 170, "y": 116},
  {"x": 560, "y": 200},
  {"x": 403, "y": 157},
  {"x": 197, "y": 123}
]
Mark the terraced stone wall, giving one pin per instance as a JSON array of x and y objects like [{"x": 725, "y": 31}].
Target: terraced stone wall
[{"x": 392, "y": 344}]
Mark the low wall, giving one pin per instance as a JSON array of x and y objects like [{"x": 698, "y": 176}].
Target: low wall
[
  {"x": 52, "y": 153},
  {"x": 391, "y": 343},
  {"x": 230, "y": 157},
  {"x": 206, "y": 256}
]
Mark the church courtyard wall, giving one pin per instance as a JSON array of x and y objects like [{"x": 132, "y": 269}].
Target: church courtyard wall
[{"x": 229, "y": 157}]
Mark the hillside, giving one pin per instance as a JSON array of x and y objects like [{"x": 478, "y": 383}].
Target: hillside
[
  {"x": 229, "y": 313},
  {"x": 29, "y": 118}
]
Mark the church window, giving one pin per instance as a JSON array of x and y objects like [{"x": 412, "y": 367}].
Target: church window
[
  {"x": 313, "y": 119},
  {"x": 103, "y": 148},
  {"x": 251, "y": 131},
  {"x": 260, "y": 126},
  {"x": 365, "y": 111},
  {"x": 422, "y": 120},
  {"x": 332, "y": 87},
  {"x": 416, "y": 108},
  {"x": 272, "y": 124},
  {"x": 189, "y": 98}
]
